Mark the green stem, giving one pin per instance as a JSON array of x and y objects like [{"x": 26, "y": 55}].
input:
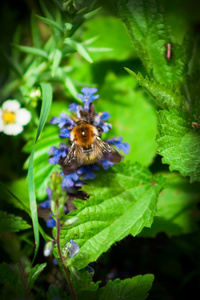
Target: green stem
[{"x": 72, "y": 292}]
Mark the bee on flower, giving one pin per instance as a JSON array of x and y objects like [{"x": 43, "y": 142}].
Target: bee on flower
[
  {"x": 85, "y": 150},
  {"x": 13, "y": 118}
]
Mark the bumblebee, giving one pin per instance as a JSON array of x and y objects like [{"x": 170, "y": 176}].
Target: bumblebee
[{"x": 87, "y": 147}]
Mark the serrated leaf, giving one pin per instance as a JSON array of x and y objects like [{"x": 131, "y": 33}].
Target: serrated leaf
[
  {"x": 145, "y": 22},
  {"x": 123, "y": 202},
  {"x": 129, "y": 289},
  {"x": 177, "y": 208},
  {"x": 11, "y": 223},
  {"x": 132, "y": 288},
  {"x": 164, "y": 96},
  {"x": 179, "y": 143}
]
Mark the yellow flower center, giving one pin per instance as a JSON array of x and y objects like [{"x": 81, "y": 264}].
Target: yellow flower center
[{"x": 8, "y": 117}]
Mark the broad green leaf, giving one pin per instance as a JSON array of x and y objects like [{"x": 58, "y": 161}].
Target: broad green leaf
[
  {"x": 165, "y": 96},
  {"x": 133, "y": 118},
  {"x": 123, "y": 201},
  {"x": 79, "y": 48},
  {"x": 132, "y": 288},
  {"x": 179, "y": 143},
  {"x": 177, "y": 208},
  {"x": 46, "y": 104},
  {"x": 33, "y": 51},
  {"x": 150, "y": 35},
  {"x": 12, "y": 223}
]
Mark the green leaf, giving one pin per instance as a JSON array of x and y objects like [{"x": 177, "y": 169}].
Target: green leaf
[
  {"x": 132, "y": 288},
  {"x": 177, "y": 208},
  {"x": 131, "y": 117},
  {"x": 35, "y": 272},
  {"x": 13, "y": 64},
  {"x": 79, "y": 48},
  {"x": 11, "y": 223},
  {"x": 33, "y": 51},
  {"x": 56, "y": 61},
  {"x": 51, "y": 23},
  {"x": 123, "y": 202},
  {"x": 112, "y": 33},
  {"x": 46, "y": 104},
  {"x": 35, "y": 32},
  {"x": 145, "y": 22},
  {"x": 129, "y": 289},
  {"x": 42, "y": 168},
  {"x": 165, "y": 96},
  {"x": 179, "y": 143}
]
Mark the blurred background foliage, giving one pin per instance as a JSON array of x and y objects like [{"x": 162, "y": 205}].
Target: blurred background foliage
[{"x": 172, "y": 255}]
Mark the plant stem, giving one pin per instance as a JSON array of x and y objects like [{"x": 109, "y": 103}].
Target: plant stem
[{"x": 72, "y": 292}]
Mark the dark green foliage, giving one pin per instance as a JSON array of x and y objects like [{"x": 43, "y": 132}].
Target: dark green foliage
[{"x": 152, "y": 202}]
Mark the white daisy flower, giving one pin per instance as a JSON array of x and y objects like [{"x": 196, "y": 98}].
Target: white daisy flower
[{"x": 13, "y": 118}]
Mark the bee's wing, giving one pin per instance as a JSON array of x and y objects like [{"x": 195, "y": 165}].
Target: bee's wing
[
  {"x": 73, "y": 159},
  {"x": 108, "y": 152}
]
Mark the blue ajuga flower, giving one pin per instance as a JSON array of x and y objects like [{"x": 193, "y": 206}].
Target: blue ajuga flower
[
  {"x": 51, "y": 223},
  {"x": 57, "y": 153},
  {"x": 117, "y": 141},
  {"x": 77, "y": 172},
  {"x": 64, "y": 120},
  {"x": 88, "y": 96},
  {"x": 46, "y": 203},
  {"x": 71, "y": 180}
]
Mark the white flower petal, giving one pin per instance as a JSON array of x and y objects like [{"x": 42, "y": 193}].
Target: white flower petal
[
  {"x": 23, "y": 116},
  {"x": 2, "y": 125},
  {"x": 13, "y": 129},
  {"x": 1, "y": 112},
  {"x": 11, "y": 105}
]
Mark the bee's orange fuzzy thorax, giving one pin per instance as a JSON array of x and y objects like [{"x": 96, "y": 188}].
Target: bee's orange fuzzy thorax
[{"x": 83, "y": 134}]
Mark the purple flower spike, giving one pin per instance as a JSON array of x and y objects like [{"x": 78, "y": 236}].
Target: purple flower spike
[
  {"x": 107, "y": 164},
  {"x": 69, "y": 180},
  {"x": 51, "y": 222},
  {"x": 88, "y": 96},
  {"x": 57, "y": 153},
  {"x": 125, "y": 147},
  {"x": 86, "y": 172},
  {"x": 45, "y": 204},
  {"x": 64, "y": 133},
  {"x": 62, "y": 121},
  {"x": 106, "y": 127},
  {"x": 76, "y": 108}
]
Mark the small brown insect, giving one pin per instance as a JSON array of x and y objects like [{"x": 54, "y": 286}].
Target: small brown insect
[
  {"x": 169, "y": 52},
  {"x": 195, "y": 125},
  {"x": 87, "y": 148}
]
